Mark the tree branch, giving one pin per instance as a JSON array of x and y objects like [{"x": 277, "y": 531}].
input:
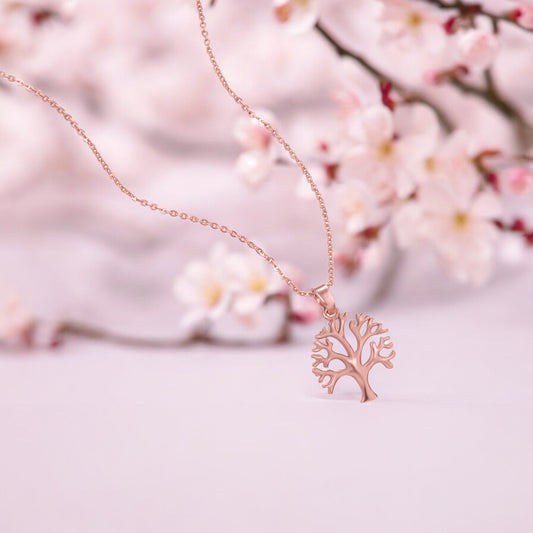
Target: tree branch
[
  {"x": 408, "y": 96},
  {"x": 488, "y": 94},
  {"x": 375, "y": 353},
  {"x": 475, "y": 10},
  {"x": 54, "y": 335},
  {"x": 491, "y": 95},
  {"x": 85, "y": 331}
]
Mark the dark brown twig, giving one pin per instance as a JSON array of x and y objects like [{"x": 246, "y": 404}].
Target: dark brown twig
[
  {"x": 492, "y": 96},
  {"x": 284, "y": 335},
  {"x": 475, "y": 10},
  {"x": 489, "y": 94},
  {"x": 76, "y": 329},
  {"x": 408, "y": 96}
]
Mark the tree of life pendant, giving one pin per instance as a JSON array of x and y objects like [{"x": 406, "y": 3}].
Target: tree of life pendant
[{"x": 357, "y": 357}]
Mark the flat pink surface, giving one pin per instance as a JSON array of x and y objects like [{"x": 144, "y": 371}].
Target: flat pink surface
[{"x": 103, "y": 439}]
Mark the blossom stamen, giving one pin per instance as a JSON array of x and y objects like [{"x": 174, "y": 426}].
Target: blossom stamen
[
  {"x": 414, "y": 19},
  {"x": 257, "y": 284},
  {"x": 213, "y": 294},
  {"x": 385, "y": 150},
  {"x": 461, "y": 220}
]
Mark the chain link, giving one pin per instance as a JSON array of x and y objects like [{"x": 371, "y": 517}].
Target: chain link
[{"x": 186, "y": 216}]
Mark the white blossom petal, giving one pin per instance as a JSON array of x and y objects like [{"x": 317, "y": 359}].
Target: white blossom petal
[
  {"x": 377, "y": 124},
  {"x": 255, "y": 166},
  {"x": 487, "y": 205}
]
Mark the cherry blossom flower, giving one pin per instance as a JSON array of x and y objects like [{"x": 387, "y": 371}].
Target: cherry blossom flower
[
  {"x": 523, "y": 15},
  {"x": 254, "y": 167},
  {"x": 348, "y": 102},
  {"x": 512, "y": 249},
  {"x": 361, "y": 251},
  {"x": 304, "y": 310},
  {"x": 256, "y": 163},
  {"x": 384, "y": 153},
  {"x": 519, "y": 180},
  {"x": 452, "y": 156},
  {"x": 204, "y": 288},
  {"x": 355, "y": 91},
  {"x": 251, "y": 134},
  {"x": 297, "y": 15},
  {"x": 327, "y": 155},
  {"x": 457, "y": 219},
  {"x": 432, "y": 76},
  {"x": 252, "y": 281},
  {"x": 16, "y": 320},
  {"x": 359, "y": 206},
  {"x": 409, "y": 25},
  {"x": 478, "y": 47}
]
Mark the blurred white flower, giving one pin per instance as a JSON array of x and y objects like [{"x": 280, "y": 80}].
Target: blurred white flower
[
  {"x": 523, "y": 15},
  {"x": 356, "y": 90},
  {"x": 373, "y": 254},
  {"x": 304, "y": 310},
  {"x": 452, "y": 156},
  {"x": 255, "y": 166},
  {"x": 256, "y": 163},
  {"x": 518, "y": 180},
  {"x": 253, "y": 280},
  {"x": 385, "y": 156},
  {"x": 407, "y": 224},
  {"x": 359, "y": 206},
  {"x": 512, "y": 249},
  {"x": 363, "y": 251},
  {"x": 326, "y": 154},
  {"x": 409, "y": 25},
  {"x": 297, "y": 15},
  {"x": 204, "y": 288},
  {"x": 16, "y": 320},
  {"x": 348, "y": 103},
  {"x": 457, "y": 219},
  {"x": 251, "y": 134},
  {"x": 478, "y": 48}
]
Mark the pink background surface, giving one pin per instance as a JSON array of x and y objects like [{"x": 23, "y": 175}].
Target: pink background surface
[{"x": 96, "y": 438}]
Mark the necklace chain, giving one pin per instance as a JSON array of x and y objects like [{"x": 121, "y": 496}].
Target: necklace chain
[{"x": 182, "y": 214}]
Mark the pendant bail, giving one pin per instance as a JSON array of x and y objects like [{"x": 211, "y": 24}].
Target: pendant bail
[{"x": 324, "y": 297}]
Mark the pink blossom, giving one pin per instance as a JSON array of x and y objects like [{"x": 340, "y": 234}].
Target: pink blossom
[
  {"x": 252, "y": 282},
  {"x": 359, "y": 205},
  {"x": 304, "y": 310},
  {"x": 478, "y": 48},
  {"x": 251, "y": 134},
  {"x": 408, "y": 25},
  {"x": 519, "y": 180},
  {"x": 204, "y": 288},
  {"x": 456, "y": 219},
  {"x": 432, "y": 77},
  {"x": 16, "y": 320},
  {"x": 348, "y": 102},
  {"x": 255, "y": 164},
  {"x": 386, "y": 146},
  {"x": 254, "y": 167},
  {"x": 523, "y": 15},
  {"x": 297, "y": 15}
]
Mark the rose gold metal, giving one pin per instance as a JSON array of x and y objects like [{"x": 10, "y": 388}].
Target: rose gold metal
[
  {"x": 186, "y": 216},
  {"x": 333, "y": 336},
  {"x": 324, "y": 297}
]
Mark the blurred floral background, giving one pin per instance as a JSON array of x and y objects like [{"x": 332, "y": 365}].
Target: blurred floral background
[{"x": 415, "y": 118}]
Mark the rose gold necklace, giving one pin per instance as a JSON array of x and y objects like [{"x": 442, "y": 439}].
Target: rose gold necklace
[{"x": 333, "y": 336}]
